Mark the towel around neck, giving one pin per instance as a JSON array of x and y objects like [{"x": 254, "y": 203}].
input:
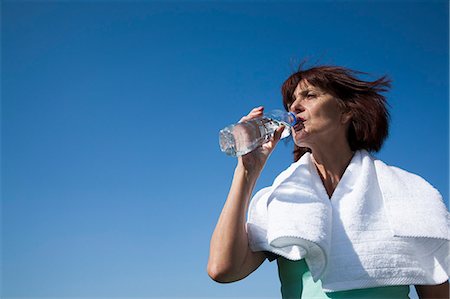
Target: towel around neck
[{"x": 382, "y": 225}]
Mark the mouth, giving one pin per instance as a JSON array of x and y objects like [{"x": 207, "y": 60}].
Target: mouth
[{"x": 299, "y": 126}]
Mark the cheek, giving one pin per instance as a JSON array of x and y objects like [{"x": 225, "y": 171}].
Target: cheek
[
  {"x": 321, "y": 122},
  {"x": 328, "y": 114}
]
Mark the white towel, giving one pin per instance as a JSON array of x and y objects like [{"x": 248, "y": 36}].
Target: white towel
[{"x": 382, "y": 225}]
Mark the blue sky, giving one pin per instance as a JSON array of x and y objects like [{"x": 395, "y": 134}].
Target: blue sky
[{"x": 112, "y": 177}]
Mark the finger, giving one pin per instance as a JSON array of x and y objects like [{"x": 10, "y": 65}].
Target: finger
[
  {"x": 276, "y": 137},
  {"x": 278, "y": 132},
  {"x": 255, "y": 112}
]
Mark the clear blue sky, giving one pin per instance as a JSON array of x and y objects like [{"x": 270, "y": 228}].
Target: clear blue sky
[{"x": 112, "y": 177}]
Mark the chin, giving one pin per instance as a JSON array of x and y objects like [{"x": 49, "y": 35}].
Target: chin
[
  {"x": 302, "y": 142},
  {"x": 299, "y": 142},
  {"x": 299, "y": 138}
]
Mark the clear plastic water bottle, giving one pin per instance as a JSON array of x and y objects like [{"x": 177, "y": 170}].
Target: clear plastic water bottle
[{"x": 243, "y": 137}]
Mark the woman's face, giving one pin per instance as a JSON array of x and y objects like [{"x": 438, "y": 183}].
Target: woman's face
[{"x": 322, "y": 118}]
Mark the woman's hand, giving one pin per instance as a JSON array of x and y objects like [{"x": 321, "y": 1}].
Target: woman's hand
[{"x": 254, "y": 161}]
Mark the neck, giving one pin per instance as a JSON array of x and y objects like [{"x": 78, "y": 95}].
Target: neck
[{"x": 331, "y": 165}]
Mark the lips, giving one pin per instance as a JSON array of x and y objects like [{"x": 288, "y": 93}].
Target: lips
[{"x": 299, "y": 126}]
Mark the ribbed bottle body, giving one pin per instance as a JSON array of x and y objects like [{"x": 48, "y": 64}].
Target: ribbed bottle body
[{"x": 241, "y": 138}]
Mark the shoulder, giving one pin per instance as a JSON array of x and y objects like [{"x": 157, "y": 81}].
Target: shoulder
[
  {"x": 393, "y": 175},
  {"x": 289, "y": 170},
  {"x": 415, "y": 208},
  {"x": 258, "y": 202}
]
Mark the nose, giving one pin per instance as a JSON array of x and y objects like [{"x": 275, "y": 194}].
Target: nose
[{"x": 297, "y": 106}]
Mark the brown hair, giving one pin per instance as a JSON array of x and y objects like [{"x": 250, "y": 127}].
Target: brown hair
[{"x": 370, "y": 118}]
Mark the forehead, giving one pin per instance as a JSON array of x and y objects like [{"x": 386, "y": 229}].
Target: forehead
[{"x": 303, "y": 87}]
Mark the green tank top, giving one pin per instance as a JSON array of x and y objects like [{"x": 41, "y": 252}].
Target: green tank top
[{"x": 297, "y": 282}]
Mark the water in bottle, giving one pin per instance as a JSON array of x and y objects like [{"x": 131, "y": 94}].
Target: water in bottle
[{"x": 242, "y": 138}]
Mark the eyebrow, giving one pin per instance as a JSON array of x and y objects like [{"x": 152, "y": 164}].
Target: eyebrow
[{"x": 303, "y": 93}]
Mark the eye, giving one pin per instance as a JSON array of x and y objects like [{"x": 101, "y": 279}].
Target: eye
[{"x": 310, "y": 95}]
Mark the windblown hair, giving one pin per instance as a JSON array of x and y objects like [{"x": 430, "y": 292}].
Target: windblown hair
[{"x": 370, "y": 117}]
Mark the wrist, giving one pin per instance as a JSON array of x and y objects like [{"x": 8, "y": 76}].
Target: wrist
[{"x": 251, "y": 174}]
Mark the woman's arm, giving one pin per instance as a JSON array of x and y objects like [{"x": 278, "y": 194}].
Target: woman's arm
[
  {"x": 440, "y": 291},
  {"x": 230, "y": 257}
]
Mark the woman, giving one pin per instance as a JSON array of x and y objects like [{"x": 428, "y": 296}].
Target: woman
[{"x": 340, "y": 223}]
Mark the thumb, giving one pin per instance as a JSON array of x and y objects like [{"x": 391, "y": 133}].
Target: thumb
[{"x": 276, "y": 137}]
